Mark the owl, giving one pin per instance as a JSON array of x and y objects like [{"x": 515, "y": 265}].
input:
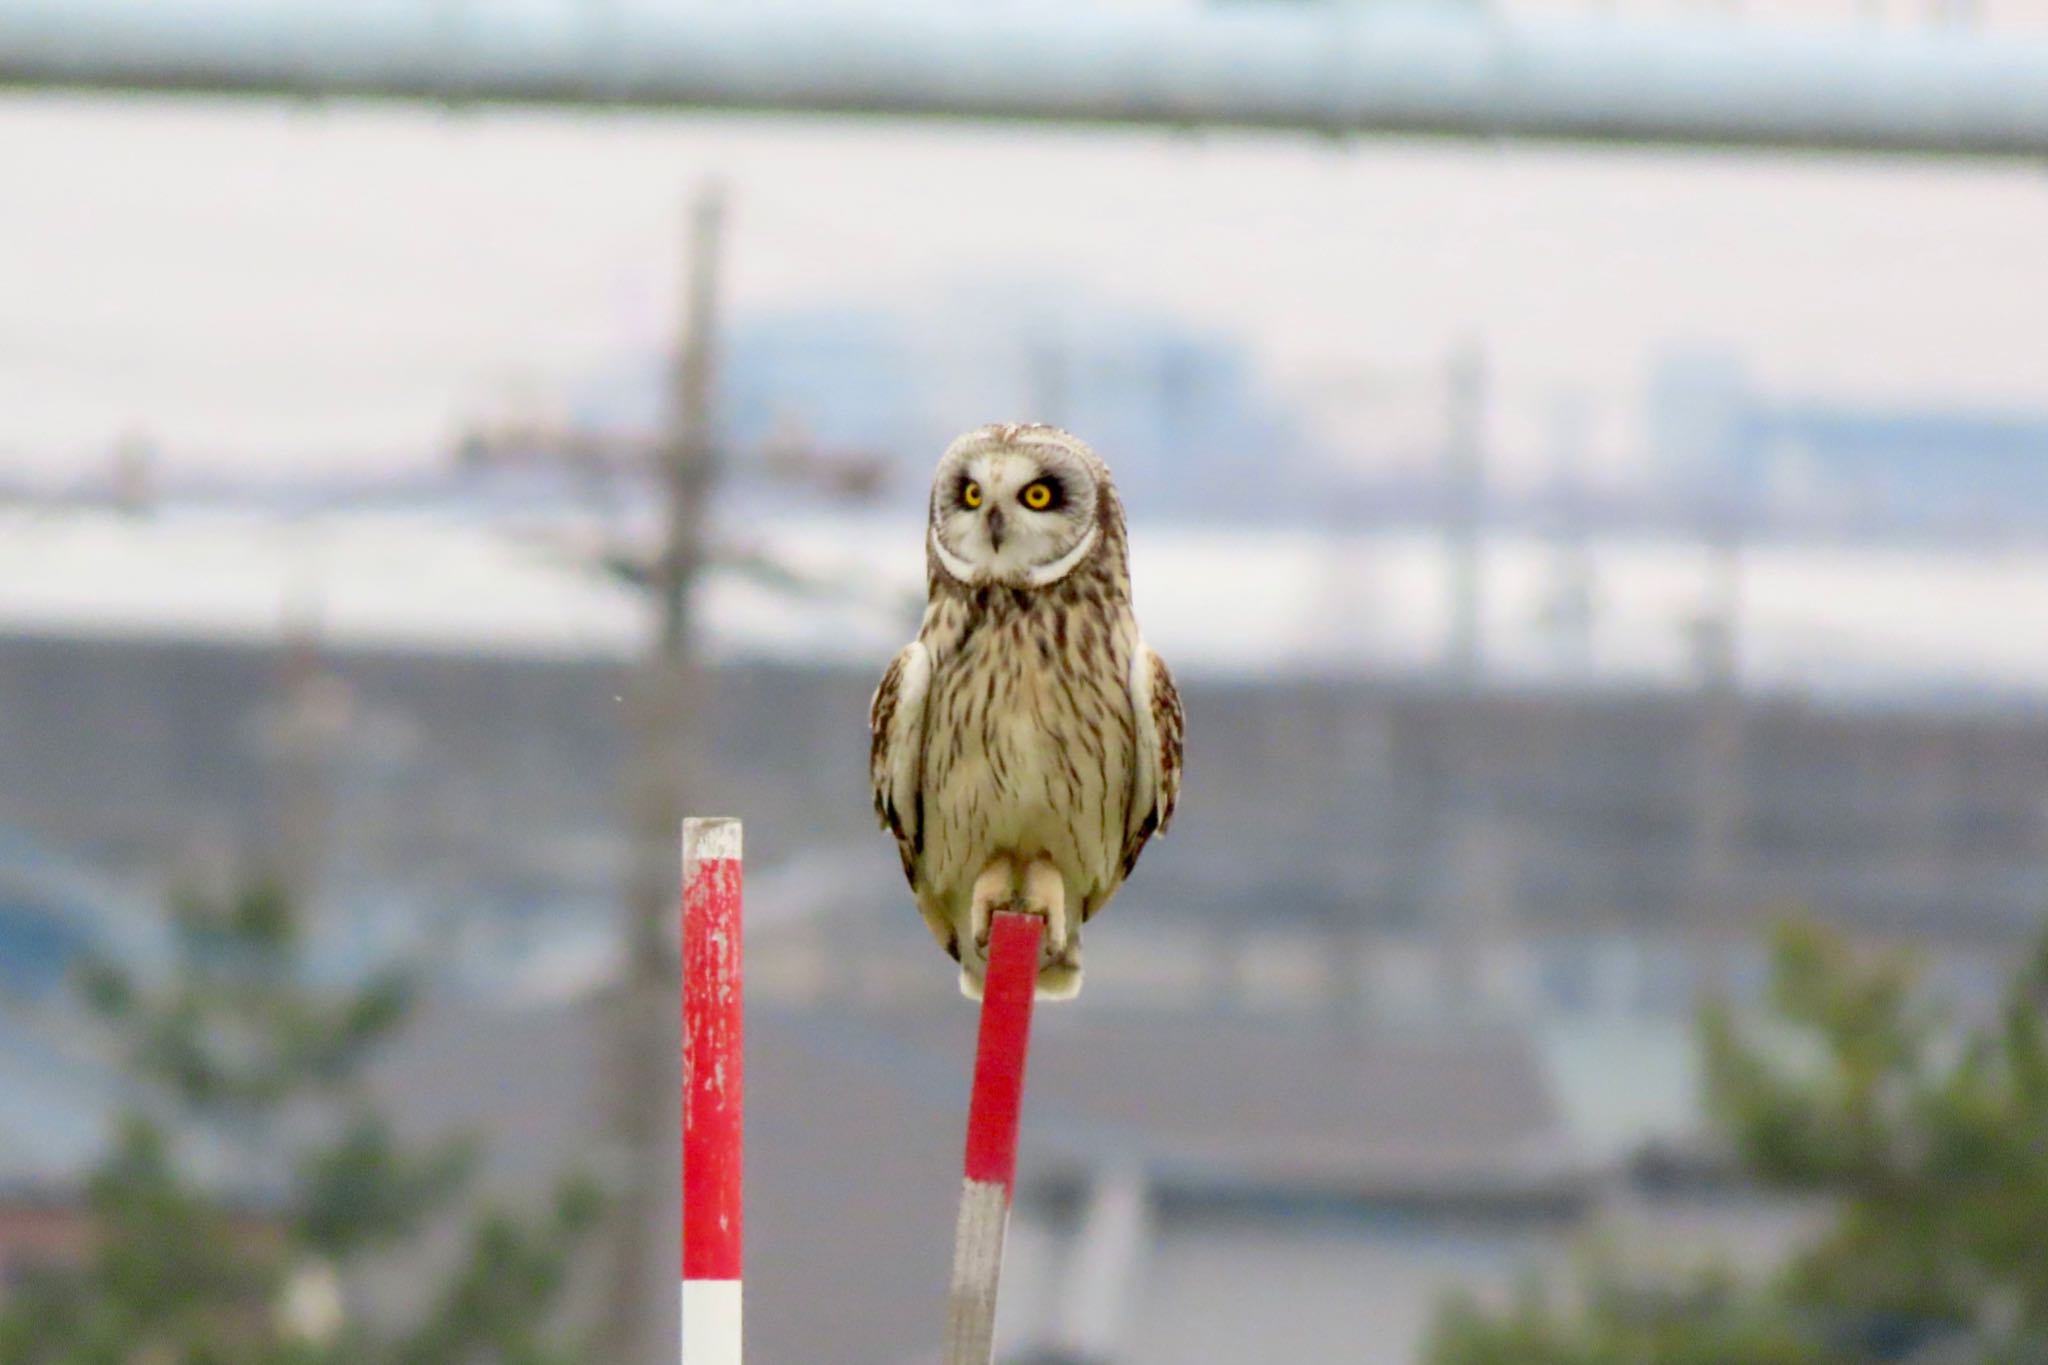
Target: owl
[{"x": 1027, "y": 745}]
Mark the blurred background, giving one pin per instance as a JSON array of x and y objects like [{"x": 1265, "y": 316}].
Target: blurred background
[{"x": 1588, "y": 466}]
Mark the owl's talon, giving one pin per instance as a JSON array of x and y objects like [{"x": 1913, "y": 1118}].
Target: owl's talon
[
  {"x": 1045, "y": 893},
  {"x": 993, "y": 890}
]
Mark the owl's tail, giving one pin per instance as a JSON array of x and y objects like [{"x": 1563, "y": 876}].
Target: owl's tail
[{"x": 1059, "y": 979}]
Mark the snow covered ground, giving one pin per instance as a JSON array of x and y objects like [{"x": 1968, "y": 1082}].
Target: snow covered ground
[{"x": 1836, "y": 620}]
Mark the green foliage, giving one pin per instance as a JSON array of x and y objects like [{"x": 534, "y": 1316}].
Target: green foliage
[
  {"x": 496, "y": 1306},
  {"x": 181, "y": 1274},
  {"x": 1710, "y": 1323},
  {"x": 163, "y": 1278},
  {"x": 1931, "y": 1144}
]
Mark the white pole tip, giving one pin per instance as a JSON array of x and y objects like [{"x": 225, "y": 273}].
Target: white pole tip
[
  {"x": 711, "y": 836},
  {"x": 711, "y": 1322}
]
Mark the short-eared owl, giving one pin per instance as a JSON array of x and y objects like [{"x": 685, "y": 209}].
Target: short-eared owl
[{"x": 1026, "y": 745}]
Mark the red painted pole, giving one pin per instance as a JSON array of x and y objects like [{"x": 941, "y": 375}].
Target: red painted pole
[
  {"x": 992, "y": 1119},
  {"x": 714, "y": 1093}
]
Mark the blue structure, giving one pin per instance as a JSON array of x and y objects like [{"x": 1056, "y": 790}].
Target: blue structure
[
  {"x": 1712, "y": 430},
  {"x": 53, "y": 915},
  {"x": 58, "y": 1092},
  {"x": 849, "y": 377},
  {"x": 1910, "y": 462},
  {"x": 1180, "y": 413},
  {"x": 61, "y": 1086}
]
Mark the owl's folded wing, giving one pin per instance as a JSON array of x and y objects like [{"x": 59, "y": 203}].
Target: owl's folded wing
[
  {"x": 1155, "y": 780},
  {"x": 896, "y": 749}
]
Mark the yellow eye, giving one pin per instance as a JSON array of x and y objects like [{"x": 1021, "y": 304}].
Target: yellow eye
[
  {"x": 1038, "y": 496},
  {"x": 971, "y": 494}
]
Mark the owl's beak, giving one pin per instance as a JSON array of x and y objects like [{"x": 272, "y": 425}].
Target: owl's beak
[{"x": 995, "y": 528}]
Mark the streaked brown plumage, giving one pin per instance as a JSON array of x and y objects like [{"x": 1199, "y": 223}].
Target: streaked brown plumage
[{"x": 1028, "y": 738}]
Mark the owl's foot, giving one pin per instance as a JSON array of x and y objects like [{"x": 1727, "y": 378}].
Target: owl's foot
[
  {"x": 1059, "y": 978},
  {"x": 1038, "y": 890},
  {"x": 994, "y": 890},
  {"x": 1045, "y": 893}
]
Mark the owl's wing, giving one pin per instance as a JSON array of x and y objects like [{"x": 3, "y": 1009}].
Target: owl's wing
[
  {"x": 896, "y": 750},
  {"x": 1155, "y": 779}
]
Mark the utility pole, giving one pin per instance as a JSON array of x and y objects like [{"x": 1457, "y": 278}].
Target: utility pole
[
  {"x": 1464, "y": 476},
  {"x": 1474, "y": 890},
  {"x": 1050, "y": 370},
  {"x": 1570, "y": 609},
  {"x": 1713, "y": 890},
  {"x": 1718, "y": 741},
  {"x": 666, "y": 695},
  {"x": 302, "y": 737}
]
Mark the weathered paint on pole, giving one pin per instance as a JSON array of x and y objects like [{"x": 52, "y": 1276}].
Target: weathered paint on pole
[
  {"x": 714, "y": 1093},
  {"x": 992, "y": 1121}
]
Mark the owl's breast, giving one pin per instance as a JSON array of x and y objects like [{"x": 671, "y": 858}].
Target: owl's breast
[{"x": 1029, "y": 749}]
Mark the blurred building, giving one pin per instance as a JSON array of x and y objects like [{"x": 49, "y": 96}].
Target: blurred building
[
  {"x": 1178, "y": 410},
  {"x": 1415, "y": 1042},
  {"x": 1228, "y": 1189},
  {"x": 1713, "y": 429}
]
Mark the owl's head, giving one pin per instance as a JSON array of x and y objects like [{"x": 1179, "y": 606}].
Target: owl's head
[{"x": 1018, "y": 505}]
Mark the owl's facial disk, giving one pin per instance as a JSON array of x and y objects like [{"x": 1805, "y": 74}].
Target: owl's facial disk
[{"x": 1012, "y": 516}]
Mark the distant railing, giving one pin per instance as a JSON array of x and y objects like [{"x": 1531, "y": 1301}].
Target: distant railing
[{"x": 1325, "y": 68}]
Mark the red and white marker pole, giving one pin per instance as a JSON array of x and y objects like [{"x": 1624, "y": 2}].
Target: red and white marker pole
[
  {"x": 714, "y": 1092},
  {"x": 992, "y": 1118}
]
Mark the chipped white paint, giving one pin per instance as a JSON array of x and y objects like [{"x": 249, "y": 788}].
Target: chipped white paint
[
  {"x": 709, "y": 836},
  {"x": 711, "y": 1322},
  {"x": 977, "y": 1270}
]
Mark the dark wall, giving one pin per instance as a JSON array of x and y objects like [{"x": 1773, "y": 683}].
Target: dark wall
[{"x": 1304, "y": 798}]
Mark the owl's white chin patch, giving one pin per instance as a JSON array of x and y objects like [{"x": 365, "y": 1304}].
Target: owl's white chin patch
[
  {"x": 1065, "y": 564},
  {"x": 1003, "y": 570}
]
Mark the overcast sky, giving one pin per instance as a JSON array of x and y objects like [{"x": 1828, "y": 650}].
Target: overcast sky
[{"x": 263, "y": 288}]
